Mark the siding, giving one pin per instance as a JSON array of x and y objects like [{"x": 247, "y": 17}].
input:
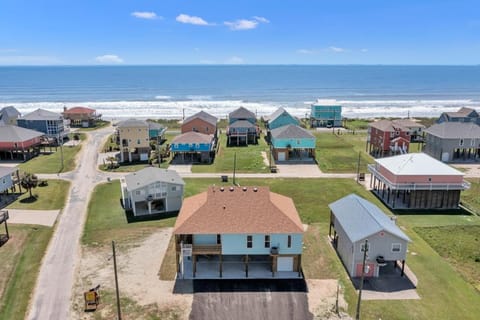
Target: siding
[
  {"x": 190, "y": 147},
  {"x": 237, "y": 244},
  {"x": 5, "y": 182},
  {"x": 294, "y": 143}
]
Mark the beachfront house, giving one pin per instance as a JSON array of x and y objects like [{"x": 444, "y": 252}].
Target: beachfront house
[
  {"x": 238, "y": 233},
  {"x": 242, "y": 127},
  {"x": 201, "y": 122},
  {"x": 462, "y": 115},
  {"x": 292, "y": 143},
  {"x": 453, "y": 141},
  {"x": 416, "y": 181},
  {"x": 152, "y": 191},
  {"x": 391, "y": 137},
  {"x": 134, "y": 140},
  {"x": 156, "y": 131},
  {"x": 17, "y": 143},
  {"x": 325, "y": 113},
  {"x": 193, "y": 147},
  {"x": 9, "y": 116},
  {"x": 279, "y": 119},
  {"x": 82, "y": 117},
  {"x": 9, "y": 177},
  {"x": 50, "y": 123},
  {"x": 354, "y": 220}
]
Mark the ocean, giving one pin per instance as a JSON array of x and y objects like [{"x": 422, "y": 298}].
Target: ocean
[{"x": 169, "y": 91}]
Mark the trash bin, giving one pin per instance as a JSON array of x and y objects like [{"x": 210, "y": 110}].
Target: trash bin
[{"x": 224, "y": 178}]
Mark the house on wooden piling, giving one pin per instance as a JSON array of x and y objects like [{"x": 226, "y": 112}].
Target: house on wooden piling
[
  {"x": 19, "y": 143},
  {"x": 416, "y": 181},
  {"x": 193, "y": 147},
  {"x": 242, "y": 127},
  {"x": 238, "y": 233},
  {"x": 354, "y": 220}
]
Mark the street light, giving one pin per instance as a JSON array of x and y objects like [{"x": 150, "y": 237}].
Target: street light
[{"x": 364, "y": 270}]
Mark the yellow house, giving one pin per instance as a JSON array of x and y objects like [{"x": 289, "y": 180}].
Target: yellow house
[{"x": 134, "y": 140}]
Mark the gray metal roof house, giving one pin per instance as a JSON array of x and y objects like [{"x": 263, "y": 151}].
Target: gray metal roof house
[
  {"x": 152, "y": 190},
  {"x": 353, "y": 220},
  {"x": 9, "y": 115},
  {"x": 453, "y": 141}
]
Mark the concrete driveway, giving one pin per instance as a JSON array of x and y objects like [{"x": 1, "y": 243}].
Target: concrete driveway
[{"x": 250, "y": 299}]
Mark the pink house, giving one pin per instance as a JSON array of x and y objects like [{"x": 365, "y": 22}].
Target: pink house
[{"x": 416, "y": 181}]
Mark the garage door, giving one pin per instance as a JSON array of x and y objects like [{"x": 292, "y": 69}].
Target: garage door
[
  {"x": 281, "y": 156},
  {"x": 285, "y": 264}
]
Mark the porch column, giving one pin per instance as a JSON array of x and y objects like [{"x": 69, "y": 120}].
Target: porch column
[
  {"x": 149, "y": 204},
  {"x": 246, "y": 266},
  {"x": 299, "y": 265},
  {"x": 194, "y": 259},
  {"x": 177, "y": 261},
  {"x": 403, "y": 267},
  {"x": 221, "y": 265}
]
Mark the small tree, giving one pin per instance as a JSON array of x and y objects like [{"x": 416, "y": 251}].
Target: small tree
[{"x": 29, "y": 181}]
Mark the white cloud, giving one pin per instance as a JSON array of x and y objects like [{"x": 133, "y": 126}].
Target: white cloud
[
  {"x": 185, "y": 18},
  {"x": 305, "y": 51},
  {"x": 336, "y": 49},
  {"x": 109, "y": 58},
  {"x": 145, "y": 15},
  {"x": 364, "y": 50},
  {"x": 235, "y": 60},
  {"x": 245, "y": 24},
  {"x": 261, "y": 19},
  {"x": 241, "y": 24}
]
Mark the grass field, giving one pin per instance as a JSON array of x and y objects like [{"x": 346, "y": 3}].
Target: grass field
[
  {"x": 98, "y": 125},
  {"x": 339, "y": 153},
  {"x": 20, "y": 260},
  {"x": 249, "y": 158},
  {"x": 50, "y": 197},
  {"x": 471, "y": 197},
  {"x": 52, "y": 163}
]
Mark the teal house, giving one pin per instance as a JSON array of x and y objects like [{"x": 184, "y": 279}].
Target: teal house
[
  {"x": 193, "y": 147},
  {"x": 156, "y": 130},
  {"x": 238, "y": 233},
  {"x": 326, "y": 113},
  {"x": 292, "y": 142},
  {"x": 279, "y": 119}
]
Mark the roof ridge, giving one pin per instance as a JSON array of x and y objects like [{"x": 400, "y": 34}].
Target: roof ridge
[{"x": 357, "y": 198}]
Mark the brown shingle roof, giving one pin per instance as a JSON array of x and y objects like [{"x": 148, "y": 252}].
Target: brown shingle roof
[
  {"x": 238, "y": 212},
  {"x": 393, "y": 125},
  {"x": 79, "y": 110}
]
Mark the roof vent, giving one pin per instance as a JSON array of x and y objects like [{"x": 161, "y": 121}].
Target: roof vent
[
  {"x": 255, "y": 189},
  {"x": 222, "y": 189},
  {"x": 244, "y": 189},
  {"x": 231, "y": 189}
]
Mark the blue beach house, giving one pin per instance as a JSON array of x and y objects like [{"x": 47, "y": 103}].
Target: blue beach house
[
  {"x": 50, "y": 123},
  {"x": 242, "y": 127},
  {"x": 193, "y": 147},
  {"x": 238, "y": 233},
  {"x": 292, "y": 142},
  {"x": 280, "y": 118},
  {"x": 326, "y": 113}
]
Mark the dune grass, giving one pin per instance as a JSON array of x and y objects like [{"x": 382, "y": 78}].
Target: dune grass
[{"x": 20, "y": 261}]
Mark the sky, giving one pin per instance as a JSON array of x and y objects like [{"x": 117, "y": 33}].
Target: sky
[{"x": 164, "y": 32}]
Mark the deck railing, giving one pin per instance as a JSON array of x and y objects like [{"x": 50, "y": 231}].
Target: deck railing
[
  {"x": 3, "y": 215},
  {"x": 418, "y": 186}
]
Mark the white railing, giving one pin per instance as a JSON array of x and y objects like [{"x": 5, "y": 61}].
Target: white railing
[{"x": 418, "y": 186}]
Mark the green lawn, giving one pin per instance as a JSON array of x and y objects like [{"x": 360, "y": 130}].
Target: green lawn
[
  {"x": 356, "y": 124},
  {"x": 339, "y": 153},
  {"x": 50, "y": 197},
  {"x": 471, "y": 197},
  {"x": 98, "y": 125},
  {"x": 20, "y": 260},
  {"x": 249, "y": 158},
  {"x": 52, "y": 163}
]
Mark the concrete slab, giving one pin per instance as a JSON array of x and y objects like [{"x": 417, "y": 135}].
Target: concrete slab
[
  {"x": 181, "y": 168},
  {"x": 299, "y": 169},
  {"x": 41, "y": 217}
]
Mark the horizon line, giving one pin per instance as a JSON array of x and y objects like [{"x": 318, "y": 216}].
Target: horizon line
[{"x": 241, "y": 65}]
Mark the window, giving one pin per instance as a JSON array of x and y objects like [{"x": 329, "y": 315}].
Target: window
[
  {"x": 267, "y": 241},
  {"x": 219, "y": 239},
  {"x": 472, "y": 142},
  {"x": 138, "y": 141},
  {"x": 138, "y": 192},
  {"x": 461, "y": 142},
  {"x": 392, "y": 134},
  {"x": 289, "y": 241},
  {"x": 298, "y": 141},
  {"x": 396, "y": 247},
  {"x": 174, "y": 188},
  {"x": 206, "y": 129},
  {"x": 249, "y": 241}
]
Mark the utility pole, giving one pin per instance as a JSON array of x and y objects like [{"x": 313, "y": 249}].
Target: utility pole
[
  {"x": 116, "y": 281},
  {"x": 365, "y": 250},
  {"x": 60, "y": 141},
  {"x": 358, "y": 165}
]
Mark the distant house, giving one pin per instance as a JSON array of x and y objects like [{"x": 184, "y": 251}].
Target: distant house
[
  {"x": 50, "y": 123},
  {"x": 453, "y": 142},
  {"x": 326, "y": 113},
  {"x": 134, "y": 140},
  {"x": 156, "y": 131},
  {"x": 462, "y": 115},
  {"x": 279, "y": 119},
  {"x": 353, "y": 220},
  {"x": 193, "y": 147},
  {"x": 242, "y": 127},
  {"x": 9, "y": 116},
  {"x": 19, "y": 143},
  {"x": 152, "y": 190},
  {"x": 391, "y": 137},
  {"x": 238, "y": 233},
  {"x": 201, "y": 122},
  {"x": 81, "y": 116},
  {"x": 416, "y": 181},
  {"x": 292, "y": 142},
  {"x": 8, "y": 177}
]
